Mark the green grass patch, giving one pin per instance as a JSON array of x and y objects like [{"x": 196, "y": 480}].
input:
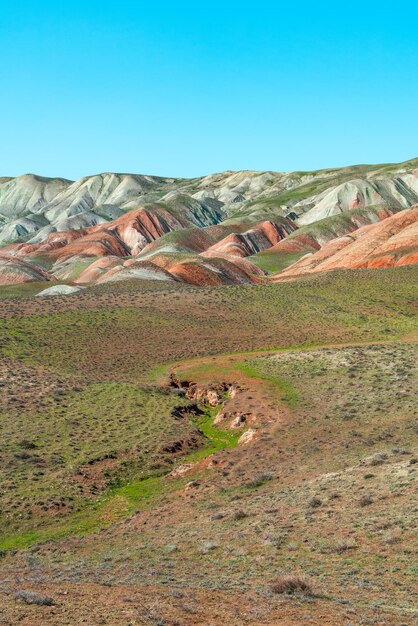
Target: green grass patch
[
  {"x": 273, "y": 262},
  {"x": 217, "y": 438},
  {"x": 254, "y": 368},
  {"x": 23, "y": 290},
  {"x": 143, "y": 487},
  {"x": 114, "y": 506},
  {"x": 48, "y": 455}
]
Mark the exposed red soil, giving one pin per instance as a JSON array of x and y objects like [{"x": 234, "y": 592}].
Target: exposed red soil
[
  {"x": 126, "y": 235},
  {"x": 99, "y": 267},
  {"x": 310, "y": 242},
  {"x": 299, "y": 243},
  {"x": 217, "y": 262},
  {"x": 391, "y": 242},
  {"x": 223, "y": 271},
  {"x": 254, "y": 240},
  {"x": 194, "y": 239},
  {"x": 195, "y": 271},
  {"x": 137, "y": 605},
  {"x": 13, "y": 271}
]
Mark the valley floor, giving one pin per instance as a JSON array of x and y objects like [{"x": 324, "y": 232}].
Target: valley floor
[{"x": 169, "y": 455}]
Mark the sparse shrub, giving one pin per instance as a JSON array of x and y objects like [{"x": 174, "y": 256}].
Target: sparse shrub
[
  {"x": 366, "y": 500},
  {"x": 206, "y": 547},
  {"x": 237, "y": 515},
  {"x": 277, "y": 539},
  {"x": 30, "y": 597},
  {"x": 27, "y": 445},
  {"x": 259, "y": 480},
  {"x": 314, "y": 503},
  {"x": 334, "y": 496},
  {"x": 292, "y": 585},
  {"x": 170, "y": 548},
  {"x": 378, "y": 459},
  {"x": 391, "y": 538},
  {"x": 344, "y": 545}
]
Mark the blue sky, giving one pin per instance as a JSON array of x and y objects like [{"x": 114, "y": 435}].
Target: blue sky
[{"x": 188, "y": 88}]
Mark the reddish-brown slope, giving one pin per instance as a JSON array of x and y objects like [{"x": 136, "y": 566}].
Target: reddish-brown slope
[
  {"x": 194, "y": 270},
  {"x": 391, "y": 242},
  {"x": 216, "y": 271},
  {"x": 13, "y": 271},
  {"x": 127, "y": 235},
  {"x": 312, "y": 237},
  {"x": 254, "y": 240}
]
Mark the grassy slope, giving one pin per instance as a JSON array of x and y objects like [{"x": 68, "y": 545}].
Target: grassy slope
[
  {"x": 340, "y": 418},
  {"x": 136, "y": 481},
  {"x": 272, "y": 262},
  {"x": 328, "y": 493},
  {"x": 49, "y": 454},
  {"x": 122, "y": 337}
]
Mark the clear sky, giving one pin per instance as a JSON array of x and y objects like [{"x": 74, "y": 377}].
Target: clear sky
[{"x": 190, "y": 88}]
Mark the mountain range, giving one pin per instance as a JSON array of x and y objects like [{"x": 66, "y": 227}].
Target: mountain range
[{"x": 227, "y": 228}]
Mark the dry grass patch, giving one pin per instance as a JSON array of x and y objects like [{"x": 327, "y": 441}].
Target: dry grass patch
[{"x": 292, "y": 585}]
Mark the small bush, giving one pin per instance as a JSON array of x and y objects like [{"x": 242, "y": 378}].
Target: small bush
[
  {"x": 391, "y": 538},
  {"x": 365, "y": 500},
  {"x": 292, "y": 585},
  {"x": 259, "y": 480},
  {"x": 378, "y": 459},
  {"x": 277, "y": 539},
  {"x": 207, "y": 547},
  {"x": 314, "y": 503},
  {"x": 31, "y": 597},
  {"x": 344, "y": 545}
]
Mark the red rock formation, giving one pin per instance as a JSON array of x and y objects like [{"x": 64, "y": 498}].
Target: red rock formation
[
  {"x": 216, "y": 271},
  {"x": 254, "y": 240},
  {"x": 391, "y": 242},
  {"x": 99, "y": 267},
  {"x": 125, "y": 236},
  {"x": 298, "y": 243},
  {"x": 13, "y": 271}
]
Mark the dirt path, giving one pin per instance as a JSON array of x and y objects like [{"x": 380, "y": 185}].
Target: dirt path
[
  {"x": 258, "y": 398},
  {"x": 216, "y": 361}
]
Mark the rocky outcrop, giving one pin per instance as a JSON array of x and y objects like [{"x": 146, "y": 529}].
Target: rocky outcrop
[
  {"x": 214, "y": 395},
  {"x": 59, "y": 290},
  {"x": 211, "y": 394},
  {"x": 247, "y": 437},
  {"x": 235, "y": 419}
]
